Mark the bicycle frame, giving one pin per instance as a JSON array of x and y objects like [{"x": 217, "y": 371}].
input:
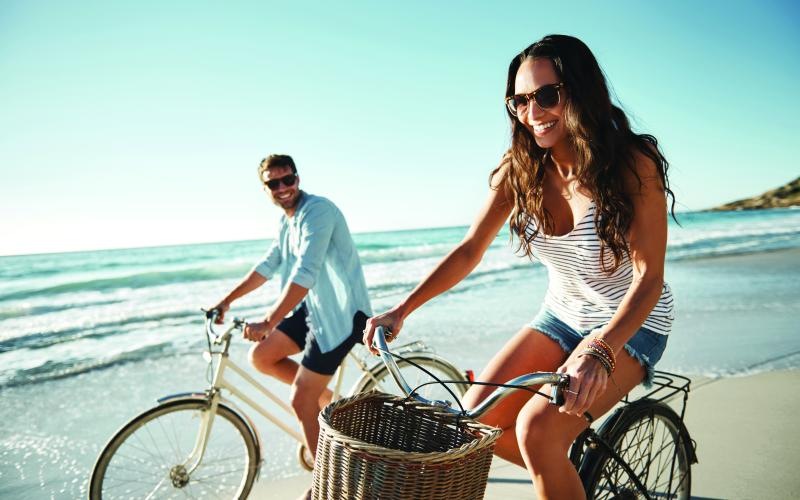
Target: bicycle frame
[{"x": 220, "y": 383}]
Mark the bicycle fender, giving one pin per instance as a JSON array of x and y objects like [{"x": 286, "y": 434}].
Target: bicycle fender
[{"x": 182, "y": 395}]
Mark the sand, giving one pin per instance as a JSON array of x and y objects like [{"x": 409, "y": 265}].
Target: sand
[{"x": 747, "y": 444}]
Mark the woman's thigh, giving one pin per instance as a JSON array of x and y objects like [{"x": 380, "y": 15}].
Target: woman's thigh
[
  {"x": 527, "y": 351},
  {"x": 541, "y": 420}
]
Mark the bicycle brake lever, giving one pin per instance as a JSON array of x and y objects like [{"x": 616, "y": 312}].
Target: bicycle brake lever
[
  {"x": 557, "y": 391},
  {"x": 557, "y": 395}
]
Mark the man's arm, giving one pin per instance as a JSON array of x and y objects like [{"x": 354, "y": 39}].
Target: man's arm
[
  {"x": 316, "y": 231},
  {"x": 254, "y": 279},
  {"x": 250, "y": 282},
  {"x": 292, "y": 295}
]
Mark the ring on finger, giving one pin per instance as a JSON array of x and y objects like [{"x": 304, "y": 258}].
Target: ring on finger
[{"x": 571, "y": 392}]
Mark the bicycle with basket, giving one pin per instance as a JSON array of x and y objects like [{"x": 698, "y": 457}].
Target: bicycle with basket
[
  {"x": 380, "y": 446},
  {"x": 203, "y": 445}
]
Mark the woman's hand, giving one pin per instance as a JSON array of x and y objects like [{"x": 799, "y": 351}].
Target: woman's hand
[
  {"x": 391, "y": 320},
  {"x": 587, "y": 380}
]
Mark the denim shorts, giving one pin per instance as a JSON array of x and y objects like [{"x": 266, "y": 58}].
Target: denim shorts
[
  {"x": 324, "y": 363},
  {"x": 646, "y": 346}
]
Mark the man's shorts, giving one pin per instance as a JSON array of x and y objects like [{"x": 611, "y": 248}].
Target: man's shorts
[{"x": 296, "y": 328}]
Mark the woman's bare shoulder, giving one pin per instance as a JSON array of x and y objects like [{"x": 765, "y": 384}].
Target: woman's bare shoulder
[{"x": 645, "y": 174}]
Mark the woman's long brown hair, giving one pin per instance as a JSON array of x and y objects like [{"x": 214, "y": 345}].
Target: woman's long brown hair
[{"x": 603, "y": 143}]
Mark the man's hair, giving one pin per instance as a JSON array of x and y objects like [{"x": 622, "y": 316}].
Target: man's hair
[{"x": 275, "y": 161}]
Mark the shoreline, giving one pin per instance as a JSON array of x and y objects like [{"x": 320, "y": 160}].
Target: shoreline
[{"x": 744, "y": 432}]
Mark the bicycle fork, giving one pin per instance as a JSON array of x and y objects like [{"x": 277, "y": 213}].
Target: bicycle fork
[{"x": 180, "y": 474}]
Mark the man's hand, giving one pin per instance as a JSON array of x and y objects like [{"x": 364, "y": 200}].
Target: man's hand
[
  {"x": 256, "y": 332},
  {"x": 221, "y": 309}
]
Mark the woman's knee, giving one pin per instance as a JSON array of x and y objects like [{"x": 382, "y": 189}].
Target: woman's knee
[{"x": 541, "y": 433}]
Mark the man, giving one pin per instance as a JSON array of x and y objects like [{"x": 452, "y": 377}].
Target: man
[{"x": 322, "y": 286}]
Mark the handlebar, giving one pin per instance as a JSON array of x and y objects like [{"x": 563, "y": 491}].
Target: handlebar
[
  {"x": 558, "y": 381},
  {"x": 211, "y": 316}
]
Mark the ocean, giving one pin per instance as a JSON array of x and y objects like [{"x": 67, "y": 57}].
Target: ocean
[{"x": 90, "y": 339}]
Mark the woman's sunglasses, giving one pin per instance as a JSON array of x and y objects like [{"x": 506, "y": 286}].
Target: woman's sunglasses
[
  {"x": 545, "y": 96},
  {"x": 287, "y": 180}
]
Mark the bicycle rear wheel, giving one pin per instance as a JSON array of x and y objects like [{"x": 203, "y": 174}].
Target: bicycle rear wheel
[
  {"x": 380, "y": 379},
  {"x": 148, "y": 457},
  {"x": 650, "y": 438}
]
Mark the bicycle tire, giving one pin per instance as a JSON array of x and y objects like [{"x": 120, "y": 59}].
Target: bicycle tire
[
  {"x": 381, "y": 379},
  {"x": 152, "y": 446},
  {"x": 650, "y": 437}
]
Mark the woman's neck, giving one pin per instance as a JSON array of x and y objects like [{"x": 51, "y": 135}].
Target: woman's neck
[{"x": 563, "y": 161}]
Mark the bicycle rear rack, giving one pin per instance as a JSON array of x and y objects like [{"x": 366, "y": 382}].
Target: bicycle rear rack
[{"x": 666, "y": 387}]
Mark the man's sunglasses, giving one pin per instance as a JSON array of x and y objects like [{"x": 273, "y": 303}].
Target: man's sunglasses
[
  {"x": 287, "y": 180},
  {"x": 545, "y": 96}
]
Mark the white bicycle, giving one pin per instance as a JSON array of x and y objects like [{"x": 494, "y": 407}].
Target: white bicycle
[{"x": 201, "y": 445}]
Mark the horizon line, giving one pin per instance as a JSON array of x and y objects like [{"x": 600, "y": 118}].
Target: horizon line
[{"x": 246, "y": 240}]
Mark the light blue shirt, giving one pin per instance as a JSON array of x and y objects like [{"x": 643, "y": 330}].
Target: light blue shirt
[{"x": 315, "y": 250}]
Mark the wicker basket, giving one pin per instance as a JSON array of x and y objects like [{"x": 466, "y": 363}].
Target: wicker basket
[{"x": 374, "y": 445}]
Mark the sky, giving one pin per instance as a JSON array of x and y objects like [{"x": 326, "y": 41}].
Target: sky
[{"x": 128, "y": 124}]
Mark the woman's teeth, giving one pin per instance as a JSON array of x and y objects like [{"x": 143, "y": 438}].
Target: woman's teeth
[{"x": 543, "y": 126}]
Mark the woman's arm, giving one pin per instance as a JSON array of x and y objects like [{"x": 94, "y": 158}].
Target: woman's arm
[
  {"x": 456, "y": 265},
  {"x": 647, "y": 240}
]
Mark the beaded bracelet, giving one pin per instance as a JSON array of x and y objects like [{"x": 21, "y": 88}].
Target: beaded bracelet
[
  {"x": 601, "y": 344},
  {"x": 603, "y": 349},
  {"x": 602, "y": 357},
  {"x": 604, "y": 344},
  {"x": 599, "y": 357}
]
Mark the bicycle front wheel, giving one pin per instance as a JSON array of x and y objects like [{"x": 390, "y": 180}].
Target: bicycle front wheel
[
  {"x": 647, "y": 436},
  {"x": 380, "y": 379},
  {"x": 150, "y": 457}
]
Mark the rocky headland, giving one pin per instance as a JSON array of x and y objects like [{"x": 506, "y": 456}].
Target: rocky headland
[{"x": 787, "y": 195}]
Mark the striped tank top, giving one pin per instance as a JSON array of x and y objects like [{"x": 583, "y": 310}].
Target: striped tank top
[{"x": 579, "y": 292}]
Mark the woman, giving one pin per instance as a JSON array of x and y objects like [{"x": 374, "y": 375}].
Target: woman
[{"x": 587, "y": 197}]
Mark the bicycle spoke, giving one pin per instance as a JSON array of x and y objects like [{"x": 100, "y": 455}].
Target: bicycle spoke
[
  {"x": 141, "y": 461},
  {"x": 155, "y": 445},
  {"x": 175, "y": 443},
  {"x": 649, "y": 443},
  {"x": 129, "y": 481},
  {"x": 137, "y": 474},
  {"x": 153, "y": 492}
]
